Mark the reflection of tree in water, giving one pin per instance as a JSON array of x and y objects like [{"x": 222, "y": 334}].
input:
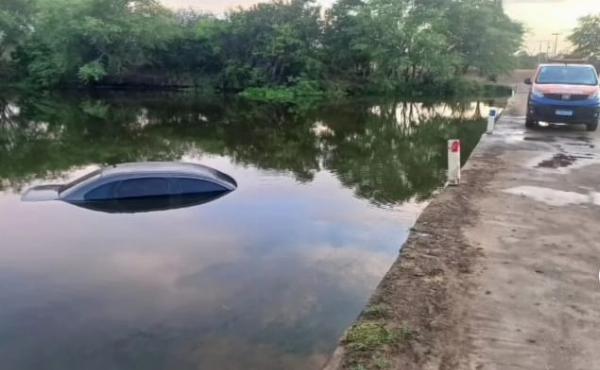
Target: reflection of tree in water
[
  {"x": 389, "y": 161},
  {"x": 388, "y": 153},
  {"x": 48, "y": 137},
  {"x": 4, "y": 110}
]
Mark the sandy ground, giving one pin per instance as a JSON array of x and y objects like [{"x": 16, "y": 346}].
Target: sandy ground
[{"x": 501, "y": 272}]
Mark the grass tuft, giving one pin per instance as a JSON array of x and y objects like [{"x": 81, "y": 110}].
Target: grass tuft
[{"x": 369, "y": 336}]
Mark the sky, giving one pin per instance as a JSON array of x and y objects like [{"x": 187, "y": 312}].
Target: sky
[{"x": 542, "y": 18}]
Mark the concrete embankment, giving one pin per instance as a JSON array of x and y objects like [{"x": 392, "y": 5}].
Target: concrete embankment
[{"x": 498, "y": 273}]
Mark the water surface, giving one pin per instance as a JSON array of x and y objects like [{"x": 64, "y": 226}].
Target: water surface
[{"x": 267, "y": 277}]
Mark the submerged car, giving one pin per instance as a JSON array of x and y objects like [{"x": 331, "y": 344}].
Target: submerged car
[
  {"x": 564, "y": 93},
  {"x": 140, "y": 187}
]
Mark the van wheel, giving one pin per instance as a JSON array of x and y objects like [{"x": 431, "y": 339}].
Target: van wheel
[
  {"x": 592, "y": 126},
  {"x": 530, "y": 123}
]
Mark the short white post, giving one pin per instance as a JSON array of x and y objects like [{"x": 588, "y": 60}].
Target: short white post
[
  {"x": 491, "y": 121},
  {"x": 453, "y": 162}
]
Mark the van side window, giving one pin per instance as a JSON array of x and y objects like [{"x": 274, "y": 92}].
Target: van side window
[
  {"x": 102, "y": 192},
  {"x": 184, "y": 186},
  {"x": 143, "y": 187}
]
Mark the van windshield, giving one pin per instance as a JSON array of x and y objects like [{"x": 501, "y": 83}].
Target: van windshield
[{"x": 567, "y": 75}]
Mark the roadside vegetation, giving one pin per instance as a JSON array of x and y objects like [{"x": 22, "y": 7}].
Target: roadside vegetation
[
  {"x": 586, "y": 38},
  {"x": 369, "y": 342},
  {"x": 280, "y": 50}
]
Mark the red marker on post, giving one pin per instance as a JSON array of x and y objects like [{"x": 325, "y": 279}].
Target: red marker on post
[{"x": 455, "y": 148}]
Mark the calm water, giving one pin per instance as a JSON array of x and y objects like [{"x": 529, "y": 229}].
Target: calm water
[{"x": 267, "y": 277}]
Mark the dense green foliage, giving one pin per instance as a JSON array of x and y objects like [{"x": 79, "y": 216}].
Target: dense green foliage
[
  {"x": 14, "y": 21},
  {"x": 277, "y": 49},
  {"x": 586, "y": 37},
  {"x": 86, "y": 41}
]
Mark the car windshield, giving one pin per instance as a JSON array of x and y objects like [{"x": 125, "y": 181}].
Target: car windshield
[
  {"x": 567, "y": 75},
  {"x": 80, "y": 180}
]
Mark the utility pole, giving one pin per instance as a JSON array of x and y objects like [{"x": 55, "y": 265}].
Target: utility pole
[{"x": 555, "y": 43}]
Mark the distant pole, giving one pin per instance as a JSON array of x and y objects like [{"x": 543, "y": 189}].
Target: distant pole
[{"x": 556, "y": 43}]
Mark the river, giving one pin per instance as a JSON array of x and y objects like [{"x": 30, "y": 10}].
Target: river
[{"x": 267, "y": 277}]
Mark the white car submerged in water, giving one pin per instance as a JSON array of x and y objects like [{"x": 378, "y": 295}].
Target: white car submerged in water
[{"x": 139, "y": 187}]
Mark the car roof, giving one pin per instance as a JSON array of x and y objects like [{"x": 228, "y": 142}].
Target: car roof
[
  {"x": 175, "y": 169},
  {"x": 158, "y": 168},
  {"x": 574, "y": 65}
]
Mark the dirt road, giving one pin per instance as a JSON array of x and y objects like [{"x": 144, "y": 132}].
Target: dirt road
[{"x": 501, "y": 272}]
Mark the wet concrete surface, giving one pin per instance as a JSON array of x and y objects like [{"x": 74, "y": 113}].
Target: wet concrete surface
[
  {"x": 537, "y": 295},
  {"x": 559, "y": 160}
]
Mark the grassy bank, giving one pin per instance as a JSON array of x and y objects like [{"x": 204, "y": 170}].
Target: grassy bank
[{"x": 302, "y": 95}]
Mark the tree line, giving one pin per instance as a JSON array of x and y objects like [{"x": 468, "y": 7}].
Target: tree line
[{"x": 356, "y": 46}]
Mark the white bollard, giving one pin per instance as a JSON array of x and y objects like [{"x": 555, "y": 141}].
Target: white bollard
[
  {"x": 491, "y": 121},
  {"x": 453, "y": 162}
]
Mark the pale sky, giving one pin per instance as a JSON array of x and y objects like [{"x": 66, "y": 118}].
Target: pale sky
[
  {"x": 545, "y": 17},
  {"x": 541, "y": 17}
]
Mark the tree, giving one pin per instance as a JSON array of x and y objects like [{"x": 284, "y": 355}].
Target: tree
[
  {"x": 385, "y": 43},
  {"x": 14, "y": 26},
  {"x": 527, "y": 61},
  {"x": 407, "y": 43},
  {"x": 194, "y": 54},
  {"x": 483, "y": 36},
  {"x": 272, "y": 44},
  {"x": 346, "y": 44},
  {"x": 586, "y": 37},
  {"x": 88, "y": 40}
]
